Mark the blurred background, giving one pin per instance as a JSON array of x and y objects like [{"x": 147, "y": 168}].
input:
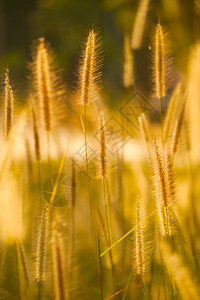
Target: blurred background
[{"x": 65, "y": 23}]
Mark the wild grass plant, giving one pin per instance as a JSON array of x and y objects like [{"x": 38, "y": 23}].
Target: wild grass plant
[{"x": 81, "y": 217}]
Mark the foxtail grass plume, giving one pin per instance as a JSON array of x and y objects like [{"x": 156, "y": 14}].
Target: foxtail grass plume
[
  {"x": 42, "y": 244},
  {"x": 128, "y": 63},
  {"x": 44, "y": 82},
  {"x": 35, "y": 130},
  {"x": 139, "y": 24},
  {"x": 139, "y": 242},
  {"x": 164, "y": 187},
  {"x": 102, "y": 142},
  {"x": 159, "y": 62},
  {"x": 89, "y": 71},
  {"x": 104, "y": 235},
  {"x": 9, "y": 104}
]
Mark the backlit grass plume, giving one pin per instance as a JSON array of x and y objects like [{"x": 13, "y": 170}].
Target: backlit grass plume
[
  {"x": 159, "y": 62},
  {"x": 102, "y": 142},
  {"x": 89, "y": 70},
  {"x": 163, "y": 185},
  {"x": 139, "y": 24},
  {"x": 41, "y": 245},
  {"x": 139, "y": 242},
  {"x": 9, "y": 105},
  {"x": 128, "y": 63},
  {"x": 44, "y": 84}
]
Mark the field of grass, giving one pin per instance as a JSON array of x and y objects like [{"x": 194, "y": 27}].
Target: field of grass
[{"x": 99, "y": 202}]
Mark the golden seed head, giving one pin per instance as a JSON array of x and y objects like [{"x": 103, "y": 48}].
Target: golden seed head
[
  {"x": 88, "y": 68},
  {"x": 139, "y": 243},
  {"x": 89, "y": 74},
  {"x": 9, "y": 102},
  {"x": 41, "y": 246},
  {"x": 44, "y": 83},
  {"x": 159, "y": 62},
  {"x": 163, "y": 185}
]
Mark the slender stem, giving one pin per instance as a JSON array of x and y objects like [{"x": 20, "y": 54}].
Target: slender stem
[
  {"x": 49, "y": 151},
  {"x": 161, "y": 112},
  {"x": 39, "y": 185},
  {"x": 194, "y": 222},
  {"x": 93, "y": 225},
  {"x": 192, "y": 189},
  {"x": 71, "y": 250},
  {"x": 161, "y": 124},
  {"x": 27, "y": 287},
  {"x": 127, "y": 285},
  {"x": 39, "y": 290},
  {"x": 145, "y": 288},
  {"x": 167, "y": 216},
  {"x": 3, "y": 257},
  {"x": 17, "y": 273},
  {"x": 100, "y": 268},
  {"x": 85, "y": 135},
  {"x": 108, "y": 224},
  {"x": 161, "y": 121},
  {"x": 86, "y": 164}
]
